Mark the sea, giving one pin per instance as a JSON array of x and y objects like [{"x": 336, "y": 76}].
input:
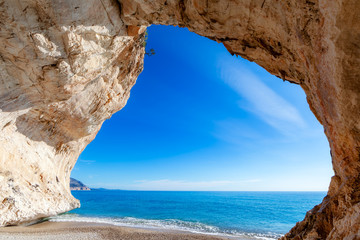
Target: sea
[{"x": 236, "y": 215}]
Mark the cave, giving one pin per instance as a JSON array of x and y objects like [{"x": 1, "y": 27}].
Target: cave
[{"x": 67, "y": 66}]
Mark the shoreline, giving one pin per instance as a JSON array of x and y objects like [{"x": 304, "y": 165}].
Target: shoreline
[{"x": 88, "y": 230}]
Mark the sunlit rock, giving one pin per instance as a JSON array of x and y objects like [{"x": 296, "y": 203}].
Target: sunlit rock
[{"x": 66, "y": 66}]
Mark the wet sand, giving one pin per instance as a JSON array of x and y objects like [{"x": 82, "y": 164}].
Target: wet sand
[{"x": 92, "y": 231}]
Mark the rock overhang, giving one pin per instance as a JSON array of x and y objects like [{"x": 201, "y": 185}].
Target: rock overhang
[{"x": 66, "y": 66}]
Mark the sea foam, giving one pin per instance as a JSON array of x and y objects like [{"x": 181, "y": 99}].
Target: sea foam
[{"x": 166, "y": 224}]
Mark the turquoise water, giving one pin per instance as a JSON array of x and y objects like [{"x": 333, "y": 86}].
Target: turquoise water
[{"x": 243, "y": 215}]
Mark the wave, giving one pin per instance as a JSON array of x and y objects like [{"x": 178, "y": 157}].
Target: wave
[{"x": 166, "y": 224}]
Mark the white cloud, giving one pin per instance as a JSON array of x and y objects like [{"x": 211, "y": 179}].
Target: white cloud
[
  {"x": 234, "y": 131},
  {"x": 182, "y": 185},
  {"x": 261, "y": 100}
]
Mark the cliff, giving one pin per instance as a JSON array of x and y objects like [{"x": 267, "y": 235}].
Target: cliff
[
  {"x": 76, "y": 185},
  {"x": 66, "y": 66}
]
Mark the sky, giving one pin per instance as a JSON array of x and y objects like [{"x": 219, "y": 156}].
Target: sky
[{"x": 200, "y": 119}]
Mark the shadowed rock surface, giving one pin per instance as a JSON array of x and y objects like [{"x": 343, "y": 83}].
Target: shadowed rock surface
[{"x": 66, "y": 66}]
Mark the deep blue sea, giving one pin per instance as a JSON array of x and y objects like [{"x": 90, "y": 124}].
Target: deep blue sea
[{"x": 243, "y": 215}]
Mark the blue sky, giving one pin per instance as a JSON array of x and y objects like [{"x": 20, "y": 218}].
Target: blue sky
[{"x": 201, "y": 119}]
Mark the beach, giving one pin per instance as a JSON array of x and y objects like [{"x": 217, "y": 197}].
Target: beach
[
  {"x": 138, "y": 215},
  {"x": 90, "y": 231}
]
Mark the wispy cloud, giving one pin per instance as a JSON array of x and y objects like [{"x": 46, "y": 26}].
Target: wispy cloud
[
  {"x": 182, "y": 185},
  {"x": 261, "y": 100},
  {"x": 235, "y": 131}
]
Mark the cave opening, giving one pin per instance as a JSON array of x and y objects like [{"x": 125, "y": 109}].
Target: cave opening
[{"x": 199, "y": 119}]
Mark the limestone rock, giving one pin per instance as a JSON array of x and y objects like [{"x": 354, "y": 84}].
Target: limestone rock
[{"x": 66, "y": 66}]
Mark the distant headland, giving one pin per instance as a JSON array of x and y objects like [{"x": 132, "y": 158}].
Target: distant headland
[{"x": 76, "y": 185}]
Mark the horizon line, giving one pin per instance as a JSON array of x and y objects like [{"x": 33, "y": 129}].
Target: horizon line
[{"x": 203, "y": 190}]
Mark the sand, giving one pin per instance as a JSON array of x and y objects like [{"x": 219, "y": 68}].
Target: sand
[{"x": 90, "y": 231}]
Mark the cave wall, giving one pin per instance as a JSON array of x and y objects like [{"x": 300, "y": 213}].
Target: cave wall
[{"x": 66, "y": 66}]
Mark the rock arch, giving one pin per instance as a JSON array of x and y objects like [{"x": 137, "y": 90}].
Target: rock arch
[{"x": 66, "y": 66}]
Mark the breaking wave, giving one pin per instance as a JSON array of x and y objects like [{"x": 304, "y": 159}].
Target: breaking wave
[{"x": 166, "y": 224}]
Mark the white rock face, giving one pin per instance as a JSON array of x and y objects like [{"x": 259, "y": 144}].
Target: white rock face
[{"x": 65, "y": 67}]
